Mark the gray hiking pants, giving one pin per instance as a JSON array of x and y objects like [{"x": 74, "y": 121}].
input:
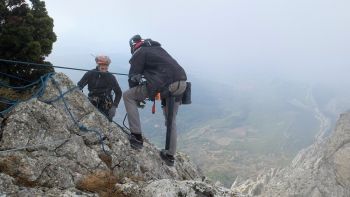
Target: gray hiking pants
[{"x": 139, "y": 93}]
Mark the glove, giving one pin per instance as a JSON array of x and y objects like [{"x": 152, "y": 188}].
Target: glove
[
  {"x": 141, "y": 104},
  {"x": 111, "y": 112},
  {"x": 136, "y": 78}
]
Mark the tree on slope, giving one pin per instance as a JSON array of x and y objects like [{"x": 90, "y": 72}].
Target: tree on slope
[{"x": 26, "y": 34}]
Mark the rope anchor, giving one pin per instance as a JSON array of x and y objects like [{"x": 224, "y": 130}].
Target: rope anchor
[{"x": 43, "y": 83}]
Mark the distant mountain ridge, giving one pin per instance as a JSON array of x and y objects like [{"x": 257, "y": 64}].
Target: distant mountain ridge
[
  {"x": 321, "y": 170},
  {"x": 258, "y": 124},
  {"x": 74, "y": 164}
]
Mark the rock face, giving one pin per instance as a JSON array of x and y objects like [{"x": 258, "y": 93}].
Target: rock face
[
  {"x": 51, "y": 146},
  {"x": 44, "y": 153},
  {"x": 322, "y": 170}
]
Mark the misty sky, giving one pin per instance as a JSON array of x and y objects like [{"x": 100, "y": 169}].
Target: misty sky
[{"x": 299, "y": 39}]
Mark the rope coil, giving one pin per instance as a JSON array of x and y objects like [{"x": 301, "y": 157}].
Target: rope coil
[{"x": 42, "y": 83}]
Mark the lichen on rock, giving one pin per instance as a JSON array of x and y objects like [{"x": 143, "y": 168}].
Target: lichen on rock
[{"x": 44, "y": 151}]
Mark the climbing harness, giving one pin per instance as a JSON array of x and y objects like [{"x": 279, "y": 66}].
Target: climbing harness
[{"x": 41, "y": 83}]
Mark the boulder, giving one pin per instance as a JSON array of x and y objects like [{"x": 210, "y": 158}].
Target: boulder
[{"x": 59, "y": 144}]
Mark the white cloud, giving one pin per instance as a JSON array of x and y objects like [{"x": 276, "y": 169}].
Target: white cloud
[{"x": 296, "y": 38}]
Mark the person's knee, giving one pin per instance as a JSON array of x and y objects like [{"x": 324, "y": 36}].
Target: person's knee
[{"x": 126, "y": 95}]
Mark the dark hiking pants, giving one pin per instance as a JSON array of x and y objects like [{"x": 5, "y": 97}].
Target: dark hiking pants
[
  {"x": 102, "y": 103},
  {"x": 139, "y": 93}
]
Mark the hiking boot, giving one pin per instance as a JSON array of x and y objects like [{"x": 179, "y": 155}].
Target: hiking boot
[
  {"x": 168, "y": 159},
  {"x": 136, "y": 141}
]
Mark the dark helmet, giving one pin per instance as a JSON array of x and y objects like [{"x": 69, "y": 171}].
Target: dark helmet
[{"x": 135, "y": 39}]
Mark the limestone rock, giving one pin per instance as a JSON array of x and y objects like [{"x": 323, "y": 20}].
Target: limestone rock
[
  {"x": 7, "y": 185},
  {"x": 321, "y": 170},
  {"x": 173, "y": 188},
  {"x": 342, "y": 165},
  {"x": 51, "y": 146}
]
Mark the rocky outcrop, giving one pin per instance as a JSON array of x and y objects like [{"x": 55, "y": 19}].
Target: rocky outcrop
[
  {"x": 44, "y": 153},
  {"x": 322, "y": 170},
  {"x": 51, "y": 146}
]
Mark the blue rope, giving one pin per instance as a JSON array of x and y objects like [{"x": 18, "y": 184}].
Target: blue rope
[
  {"x": 14, "y": 77},
  {"x": 80, "y": 126},
  {"x": 19, "y": 87},
  {"x": 43, "y": 83},
  {"x": 49, "y": 101},
  {"x": 3, "y": 112},
  {"x": 7, "y": 101},
  {"x": 125, "y": 129},
  {"x": 38, "y": 93}
]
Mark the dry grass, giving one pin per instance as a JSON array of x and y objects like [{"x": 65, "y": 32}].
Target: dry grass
[
  {"x": 102, "y": 183},
  {"x": 14, "y": 95},
  {"x": 11, "y": 165},
  {"x": 19, "y": 94},
  {"x": 7, "y": 165},
  {"x": 107, "y": 159}
]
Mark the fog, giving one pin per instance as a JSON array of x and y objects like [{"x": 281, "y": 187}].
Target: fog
[{"x": 218, "y": 40}]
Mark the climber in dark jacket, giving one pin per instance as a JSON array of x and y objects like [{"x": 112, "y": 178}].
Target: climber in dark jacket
[
  {"x": 163, "y": 75},
  {"x": 100, "y": 85}
]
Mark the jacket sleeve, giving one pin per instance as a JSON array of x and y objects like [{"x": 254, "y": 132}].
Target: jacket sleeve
[
  {"x": 137, "y": 64},
  {"x": 117, "y": 91},
  {"x": 83, "y": 81}
]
